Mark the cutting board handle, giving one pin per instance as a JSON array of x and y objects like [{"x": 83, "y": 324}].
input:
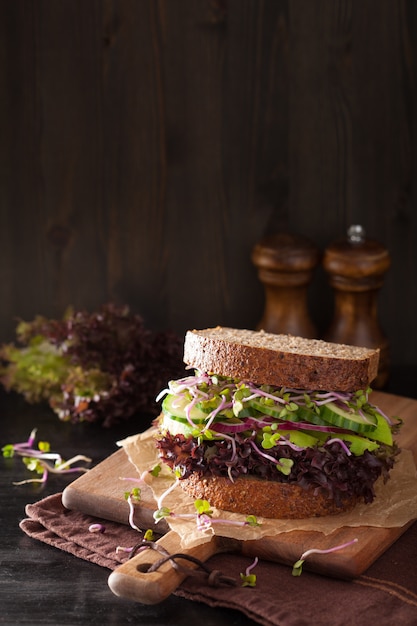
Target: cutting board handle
[{"x": 133, "y": 581}]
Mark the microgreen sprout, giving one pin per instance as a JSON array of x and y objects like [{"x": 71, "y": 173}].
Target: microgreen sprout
[
  {"x": 204, "y": 522},
  {"x": 149, "y": 535},
  {"x": 134, "y": 494},
  {"x": 155, "y": 471},
  {"x": 203, "y": 507},
  {"x": 133, "y": 497},
  {"x": 141, "y": 479},
  {"x": 123, "y": 549},
  {"x": 203, "y": 517},
  {"x": 284, "y": 465},
  {"x": 271, "y": 439},
  {"x": 33, "y": 465},
  {"x": 39, "y": 465},
  {"x": 131, "y": 479},
  {"x": 10, "y": 449},
  {"x": 161, "y": 513},
  {"x": 298, "y": 565},
  {"x": 166, "y": 492},
  {"x": 341, "y": 443},
  {"x": 250, "y": 520},
  {"x": 248, "y": 579},
  {"x": 36, "y": 459}
]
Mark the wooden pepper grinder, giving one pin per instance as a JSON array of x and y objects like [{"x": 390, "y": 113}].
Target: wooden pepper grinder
[
  {"x": 285, "y": 265},
  {"x": 356, "y": 267}
]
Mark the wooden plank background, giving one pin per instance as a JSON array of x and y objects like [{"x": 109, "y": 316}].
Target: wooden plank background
[{"x": 147, "y": 145}]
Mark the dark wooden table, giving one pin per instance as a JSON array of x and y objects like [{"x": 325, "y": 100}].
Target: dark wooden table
[{"x": 40, "y": 584}]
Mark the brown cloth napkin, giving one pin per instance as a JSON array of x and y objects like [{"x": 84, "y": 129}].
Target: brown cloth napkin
[{"x": 386, "y": 594}]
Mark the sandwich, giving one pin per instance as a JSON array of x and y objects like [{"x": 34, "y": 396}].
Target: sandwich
[{"x": 275, "y": 426}]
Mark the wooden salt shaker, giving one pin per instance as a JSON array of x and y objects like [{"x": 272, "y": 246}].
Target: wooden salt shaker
[
  {"x": 356, "y": 267},
  {"x": 285, "y": 265}
]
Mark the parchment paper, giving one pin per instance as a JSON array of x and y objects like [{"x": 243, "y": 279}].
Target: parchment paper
[{"x": 394, "y": 506}]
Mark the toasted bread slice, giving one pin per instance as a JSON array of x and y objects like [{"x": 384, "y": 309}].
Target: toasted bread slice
[
  {"x": 281, "y": 360},
  {"x": 249, "y": 495}
]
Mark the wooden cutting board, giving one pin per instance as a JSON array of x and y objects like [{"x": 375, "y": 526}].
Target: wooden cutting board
[{"x": 100, "y": 493}]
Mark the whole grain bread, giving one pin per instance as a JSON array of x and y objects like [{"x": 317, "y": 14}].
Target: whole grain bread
[
  {"x": 281, "y": 360},
  {"x": 249, "y": 495}
]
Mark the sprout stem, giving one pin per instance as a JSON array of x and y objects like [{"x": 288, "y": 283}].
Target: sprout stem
[
  {"x": 166, "y": 492},
  {"x": 250, "y": 567},
  {"x": 132, "y": 513},
  {"x": 328, "y": 550}
]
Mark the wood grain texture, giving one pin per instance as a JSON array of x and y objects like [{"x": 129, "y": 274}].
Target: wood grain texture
[
  {"x": 98, "y": 493},
  {"x": 147, "y": 145}
]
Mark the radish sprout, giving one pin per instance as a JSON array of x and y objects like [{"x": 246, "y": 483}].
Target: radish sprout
[
  {"x": 298, "y": 566},
  {"x": 248, "y": 579},
  {"x": 36, "y": 459}
]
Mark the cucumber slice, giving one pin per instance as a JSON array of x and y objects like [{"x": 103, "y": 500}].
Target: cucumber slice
[
  {"x": 177, "y": 426},
  {"x": 309, "y": 416},
  {"x": 175, "y": 407},
  {"x": 302, "y": 414},
  {"x": 183, "y": 420},
  {"x": 273, "y": 410},
  {"x": 335, "y": 415},
  {"x": 265, "y": 409}
]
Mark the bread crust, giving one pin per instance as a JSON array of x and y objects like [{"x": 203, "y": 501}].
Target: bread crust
[
  {"x": 281, "y": 360},
  {"x": 249, "y": 495}
]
